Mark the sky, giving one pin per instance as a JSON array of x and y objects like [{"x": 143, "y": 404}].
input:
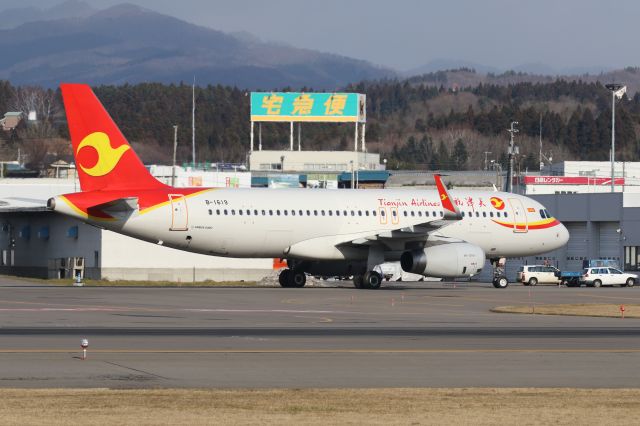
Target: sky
[{"x": 404, "y": 34}]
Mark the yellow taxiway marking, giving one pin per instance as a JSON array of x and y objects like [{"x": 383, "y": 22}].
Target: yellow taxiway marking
[{"x": 316, "y": 351}]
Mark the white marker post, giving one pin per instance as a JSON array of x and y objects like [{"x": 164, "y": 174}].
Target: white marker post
[{"x": 84, "y": 344}]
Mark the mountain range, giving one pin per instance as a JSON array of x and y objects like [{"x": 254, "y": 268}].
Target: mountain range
[{"x": 129, "y": 44}]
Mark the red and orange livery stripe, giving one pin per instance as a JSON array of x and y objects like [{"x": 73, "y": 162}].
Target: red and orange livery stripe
[{"x": 542, "y": 224}]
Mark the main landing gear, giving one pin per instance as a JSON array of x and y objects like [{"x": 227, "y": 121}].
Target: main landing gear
[
  {"x": 499, "y": 277},
  {"x": 292, "y": 278},
  {"x": 370, "y": 280}
]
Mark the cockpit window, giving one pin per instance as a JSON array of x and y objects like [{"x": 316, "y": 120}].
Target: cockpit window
[{"x": 542, "y": 214}]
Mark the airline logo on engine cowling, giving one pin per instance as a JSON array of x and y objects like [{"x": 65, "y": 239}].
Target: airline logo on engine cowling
[
  {"x": 497, "y": 203},
  {"x": 108, "y": 157}
]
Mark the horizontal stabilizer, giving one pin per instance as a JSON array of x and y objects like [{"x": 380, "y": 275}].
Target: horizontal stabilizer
[{"x": 116, "y": 207}]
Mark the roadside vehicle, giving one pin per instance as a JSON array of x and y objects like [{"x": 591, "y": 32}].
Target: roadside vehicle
[
  {"x": 534, "y": 274},
  {"x": 597, "y": 277}
]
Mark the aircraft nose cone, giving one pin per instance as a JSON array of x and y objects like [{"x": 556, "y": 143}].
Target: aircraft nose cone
[{"x": 563, "y": 235}]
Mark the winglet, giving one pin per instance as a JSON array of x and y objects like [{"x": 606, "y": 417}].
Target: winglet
[{"x": 445, "y": 198}]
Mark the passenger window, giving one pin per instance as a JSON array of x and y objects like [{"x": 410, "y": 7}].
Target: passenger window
[
  {"x": 434, "y": 214},
  {"x": 300, "y": 212},
  {"x": 505, "y": 214},
  {"x": 233, "y": 212},
  {"x": 210, "y": 212},
  {"x": 462, "y": 213},
  {"x": 322, "y": 211},
  {"x": 353, "y": 213},
  {"x": 394, "y": 213},
  {"x": 293, "y": 212},
  {"x": 255, "y": 212},
  {"x": 470, "y": 214},
  {"x": 405, "y": 213},
  {"x": 477, "y": 214},
  {"x": 286, "y": 213},
  {"x": 248, "y": 212},
  {"x": 484, "y": 214},
  {"x": 337, "y": 212},
  {"x": 225, "y": 212},
  {"x": 344, "y": 213},
  {"x": 218, "y": 212},
  {"x": 278, "y": 212},
  {"x": 270, "y": 212},
  {"x": 374, "y": 213},
  {"x": 491, "y": 214},
  {"x": 264, "y": 213},
  {"x": 315, "y": 212},
  {"x": 360, "y": 213},
  {"x": 330, "y": 212},
  {"x": 366, "y": 212},
  {"x": 420, "y": 214},
  {"x": 382, "y": 213},
  {"x": 498, "y": 214},
  {"x": 413, "y": 213},
  {"x": 308, "y": 212},
  {"x": 441, "y": 214},
  {"x": 240, "y": 212}
]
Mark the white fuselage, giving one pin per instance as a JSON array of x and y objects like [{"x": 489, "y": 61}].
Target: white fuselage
[{"x": 316, "y": 224}]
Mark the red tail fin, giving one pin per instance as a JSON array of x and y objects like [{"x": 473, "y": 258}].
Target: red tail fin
[{"x": 104, "y": 158}]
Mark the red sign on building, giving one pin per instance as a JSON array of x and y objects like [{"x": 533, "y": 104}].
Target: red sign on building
[{"x": 570, "y": 180}]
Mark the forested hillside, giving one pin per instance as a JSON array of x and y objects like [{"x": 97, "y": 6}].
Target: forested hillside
[{"x": 414, "y": 125}]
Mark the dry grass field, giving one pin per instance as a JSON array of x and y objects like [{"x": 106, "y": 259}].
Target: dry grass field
[
  {"x": 390, "y": 406},
  {"x": 578, "y": 309}
]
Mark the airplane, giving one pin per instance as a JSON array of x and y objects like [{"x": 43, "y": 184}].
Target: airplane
[{"x": 319, "y": 232}]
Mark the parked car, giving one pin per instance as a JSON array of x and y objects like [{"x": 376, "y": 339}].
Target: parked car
[
  {"x": 596, "y": 277},
  {"x": 534, "y": 274}
]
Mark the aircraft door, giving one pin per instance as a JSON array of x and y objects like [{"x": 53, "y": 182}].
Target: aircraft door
[
  {"x": 520, "y": 223},
  {"x": 179, "y": 212}
]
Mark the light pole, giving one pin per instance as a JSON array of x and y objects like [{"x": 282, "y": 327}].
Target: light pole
[
  {"x": 486, "y": 153},
  {"x": 616, "y": 89},
  {"x": 175, "y": 146}
]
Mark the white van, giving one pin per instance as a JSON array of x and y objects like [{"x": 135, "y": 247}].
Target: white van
[{"x": 534, "y": 274}]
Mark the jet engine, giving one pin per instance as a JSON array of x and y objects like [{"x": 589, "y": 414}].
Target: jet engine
[{"x": 444, "y": 261}]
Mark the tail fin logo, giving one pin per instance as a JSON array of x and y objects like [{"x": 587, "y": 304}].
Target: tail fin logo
[{"x": 108, "y": 157}]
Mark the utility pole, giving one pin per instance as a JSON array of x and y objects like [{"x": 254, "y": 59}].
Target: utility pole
[
  {"x": 513, "y": 150},
  {"x": 618, "y": 90},
  {"x": 175, "y": 147}
]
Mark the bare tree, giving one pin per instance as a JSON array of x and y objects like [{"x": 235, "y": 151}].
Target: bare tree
[{"x": 33, "y": 98}]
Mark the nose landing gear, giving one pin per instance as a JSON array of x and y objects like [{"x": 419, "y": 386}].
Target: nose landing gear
[{"x": 499, "y": 278}]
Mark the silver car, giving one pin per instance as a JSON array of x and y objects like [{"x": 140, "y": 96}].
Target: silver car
[{"x": 597, "y": 277}]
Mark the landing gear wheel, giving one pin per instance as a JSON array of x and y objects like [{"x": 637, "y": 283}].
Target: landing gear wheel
[
  {"x": 630, "y": 282},
  {"x": 533, "y": 281},
  {"x": 283, "y": 278},
  {"x": 297, "y": 279},
  {"x": 357, "y": 281},
  {"x": 501, "y": 282},
  {"x": 597, "y": 283},
  {"x": 372, "y": 280}
]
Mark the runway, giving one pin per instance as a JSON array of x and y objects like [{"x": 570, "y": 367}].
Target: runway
[{"x": 409, "y": 334}]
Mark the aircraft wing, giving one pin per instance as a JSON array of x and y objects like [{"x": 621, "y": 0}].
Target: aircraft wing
[
  {"x": 392, "y": 239},
  {"x": 418, "y": 231}
]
